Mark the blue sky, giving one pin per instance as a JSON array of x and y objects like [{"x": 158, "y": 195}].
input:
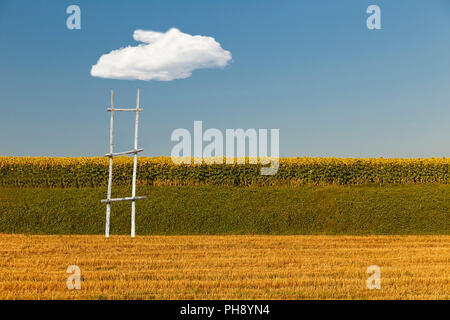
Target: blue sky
[{"x": 310, "y": 68}]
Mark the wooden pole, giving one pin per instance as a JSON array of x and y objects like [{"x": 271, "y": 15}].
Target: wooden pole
[
  {"x": 133, "y": 192},
  {"x": 111, "y": 150}
]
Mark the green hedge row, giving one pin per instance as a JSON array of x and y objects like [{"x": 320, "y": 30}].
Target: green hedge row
[{"x": 411, "y": 209}]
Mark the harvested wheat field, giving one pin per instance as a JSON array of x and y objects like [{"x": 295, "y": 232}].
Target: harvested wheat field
[{"x": 224, "y": 267}]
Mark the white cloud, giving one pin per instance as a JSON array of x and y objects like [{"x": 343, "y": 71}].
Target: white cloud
[{"x": 163, "y": 57}]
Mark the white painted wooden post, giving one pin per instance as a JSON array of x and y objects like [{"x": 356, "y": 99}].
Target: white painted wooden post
[
  {"x": 111, "y": 155},
  {"x": 111, "y": 149},
  {"x": 133, "y": 192}
]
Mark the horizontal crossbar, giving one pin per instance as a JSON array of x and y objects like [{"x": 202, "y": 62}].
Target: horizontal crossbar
[
  {"x": 122, "y": 199},
  {"x": 124, "y": 152},
  {"x": 123, "y": 109}
]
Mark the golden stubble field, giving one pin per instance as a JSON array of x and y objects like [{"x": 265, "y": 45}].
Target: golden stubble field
[{"x": 224, "y": 267}]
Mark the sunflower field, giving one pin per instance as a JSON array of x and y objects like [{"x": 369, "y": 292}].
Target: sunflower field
[{"x": 160, "y": 171}]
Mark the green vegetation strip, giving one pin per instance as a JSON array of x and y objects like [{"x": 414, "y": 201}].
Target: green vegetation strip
[
  {"x": 353, "y": 210},
  {"x": 161, "y": 171}
]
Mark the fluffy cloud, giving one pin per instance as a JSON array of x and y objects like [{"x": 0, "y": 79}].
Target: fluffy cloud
[{"x": 162, "y": 56}]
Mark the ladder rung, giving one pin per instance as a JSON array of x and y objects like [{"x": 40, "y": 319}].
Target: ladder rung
[
  {"x": 121, "y": 153},
  {"x": 122, "y": 199},
  {"x": 124, "y": 109}
]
